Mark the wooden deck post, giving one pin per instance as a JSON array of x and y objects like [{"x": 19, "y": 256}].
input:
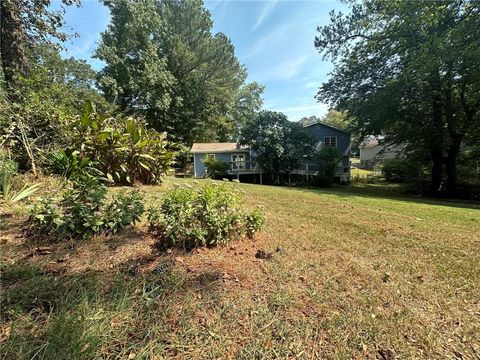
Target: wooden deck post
[{"x": 261, "y": 182}]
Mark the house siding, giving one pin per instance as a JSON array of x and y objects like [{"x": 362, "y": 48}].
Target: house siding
[
  {"x": 200, "y": 169},
  {"x": 373, "y": 154},
  {"x": 319, "y": 131}
]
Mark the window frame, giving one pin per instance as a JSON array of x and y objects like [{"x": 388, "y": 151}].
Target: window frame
[
  {"x": 330, "y": 141},
  {"x": 235, "y": 163}
]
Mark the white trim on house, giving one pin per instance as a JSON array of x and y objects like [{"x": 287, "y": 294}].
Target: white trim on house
[
  {"x": 234, "y": 162},
  {"x": 194, "y": 167}
]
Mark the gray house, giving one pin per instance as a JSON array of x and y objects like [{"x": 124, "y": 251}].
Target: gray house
[
  {"x": 329, "y": 136},
  {"x": 240, "y": 158}
]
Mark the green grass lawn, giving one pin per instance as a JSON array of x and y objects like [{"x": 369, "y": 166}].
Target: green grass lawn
[
  {"x": 360, "y": 172},
  {"x": 357, "y": 272}
]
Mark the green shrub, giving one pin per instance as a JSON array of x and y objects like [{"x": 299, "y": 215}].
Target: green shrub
[
  {"x": 216, "y": 169},
  {"x": 364, "y": 179},
  {"x": 8, "y": 166},
  {"x": 398, "y": 170},
  {"x": 68, "y": 163},
  {"x": 328, "y": 159},
  {"x": 254, "y": 222},
  {"x": 126, "y": 208},
  {"x": 210, "y": 215},
  {"x": 83, "y": 211},
  {"x": 124, "y": 150}
]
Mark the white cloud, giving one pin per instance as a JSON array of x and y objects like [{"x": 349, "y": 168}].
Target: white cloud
[
  {"x": 286, "y": 70},
  {"x": 83, "y": 47},
  {"x": 266, "y": 10},
  {"x": 264, "y": 44}
]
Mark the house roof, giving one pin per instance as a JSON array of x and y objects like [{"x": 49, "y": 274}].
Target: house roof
[
  {"x": 217, "y": 147},
  {"x": 371, "y": 142},
  {"x": 330, "y": 126}
]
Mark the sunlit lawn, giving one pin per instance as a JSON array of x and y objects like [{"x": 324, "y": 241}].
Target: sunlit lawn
[
  {"x": 357, "y": 272},
  {"x": 360, "y": 172}
]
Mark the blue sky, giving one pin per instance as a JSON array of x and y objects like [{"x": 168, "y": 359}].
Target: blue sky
[{"x": 274, "y": 39}]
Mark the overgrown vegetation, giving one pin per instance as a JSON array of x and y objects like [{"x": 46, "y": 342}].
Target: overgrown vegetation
[
  {"x": 209, "y": 215},
  {"x": 216, "y": 169},
  {"x": 124, "y": 149},
  {"x": 83, "y": 211},
  {"x": 67, "y": 163},
  {"x": 328, "y": 161}
]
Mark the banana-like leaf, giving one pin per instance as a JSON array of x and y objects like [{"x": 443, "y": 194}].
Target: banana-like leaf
[
  {"x": 25, "y": 192},
  {"x": 145, "y": 166},
  {"x": 87, "y": 111},
  {"x": 147, "y": 156},
  {"x": 104, "y": 135},
  {"x": 132, "y": 130}
]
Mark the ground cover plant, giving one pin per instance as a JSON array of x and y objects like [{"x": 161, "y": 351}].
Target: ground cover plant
[
  {"x": 352, "y": 272},
  {"x": 83, "y": 211},
  {"x": 208, "y": 215}
]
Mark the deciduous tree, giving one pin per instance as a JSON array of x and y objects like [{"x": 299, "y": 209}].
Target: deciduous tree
[
  {"x": 278, "y": 144},
  {"x": 410, "y": 70},
  {"x": 25, "y": 24}
]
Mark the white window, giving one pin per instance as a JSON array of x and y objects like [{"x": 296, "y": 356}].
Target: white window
[
  {"x": 238, "y": 161},
  {"x": 330, "y": 141}
]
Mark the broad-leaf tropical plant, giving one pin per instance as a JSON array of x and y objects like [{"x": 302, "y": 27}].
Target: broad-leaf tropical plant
[{"x": 125, "y": 150}]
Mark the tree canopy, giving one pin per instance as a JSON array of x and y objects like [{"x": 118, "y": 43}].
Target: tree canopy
[
  {"x": 278, "y": 144},
  {"x": 24, "y": 25},
  {"x": 164, "y": 62},
  {"x": 333, "y": 117},
  {"x": 410, "y": 70}
]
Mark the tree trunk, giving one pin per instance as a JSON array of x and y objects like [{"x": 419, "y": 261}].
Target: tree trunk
[
  {"x": 12, "y": 40},
  {"x": 27, "y": 145},
  {"x": 436, "y": 145},
  {"x": 436, "y": 177},
  {"x": 452, "y": 156}
]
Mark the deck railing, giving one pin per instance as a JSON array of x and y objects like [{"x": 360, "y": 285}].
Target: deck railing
[
  {"x": 243, "y": 167},
  {"x": 312, "y": 169}
]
